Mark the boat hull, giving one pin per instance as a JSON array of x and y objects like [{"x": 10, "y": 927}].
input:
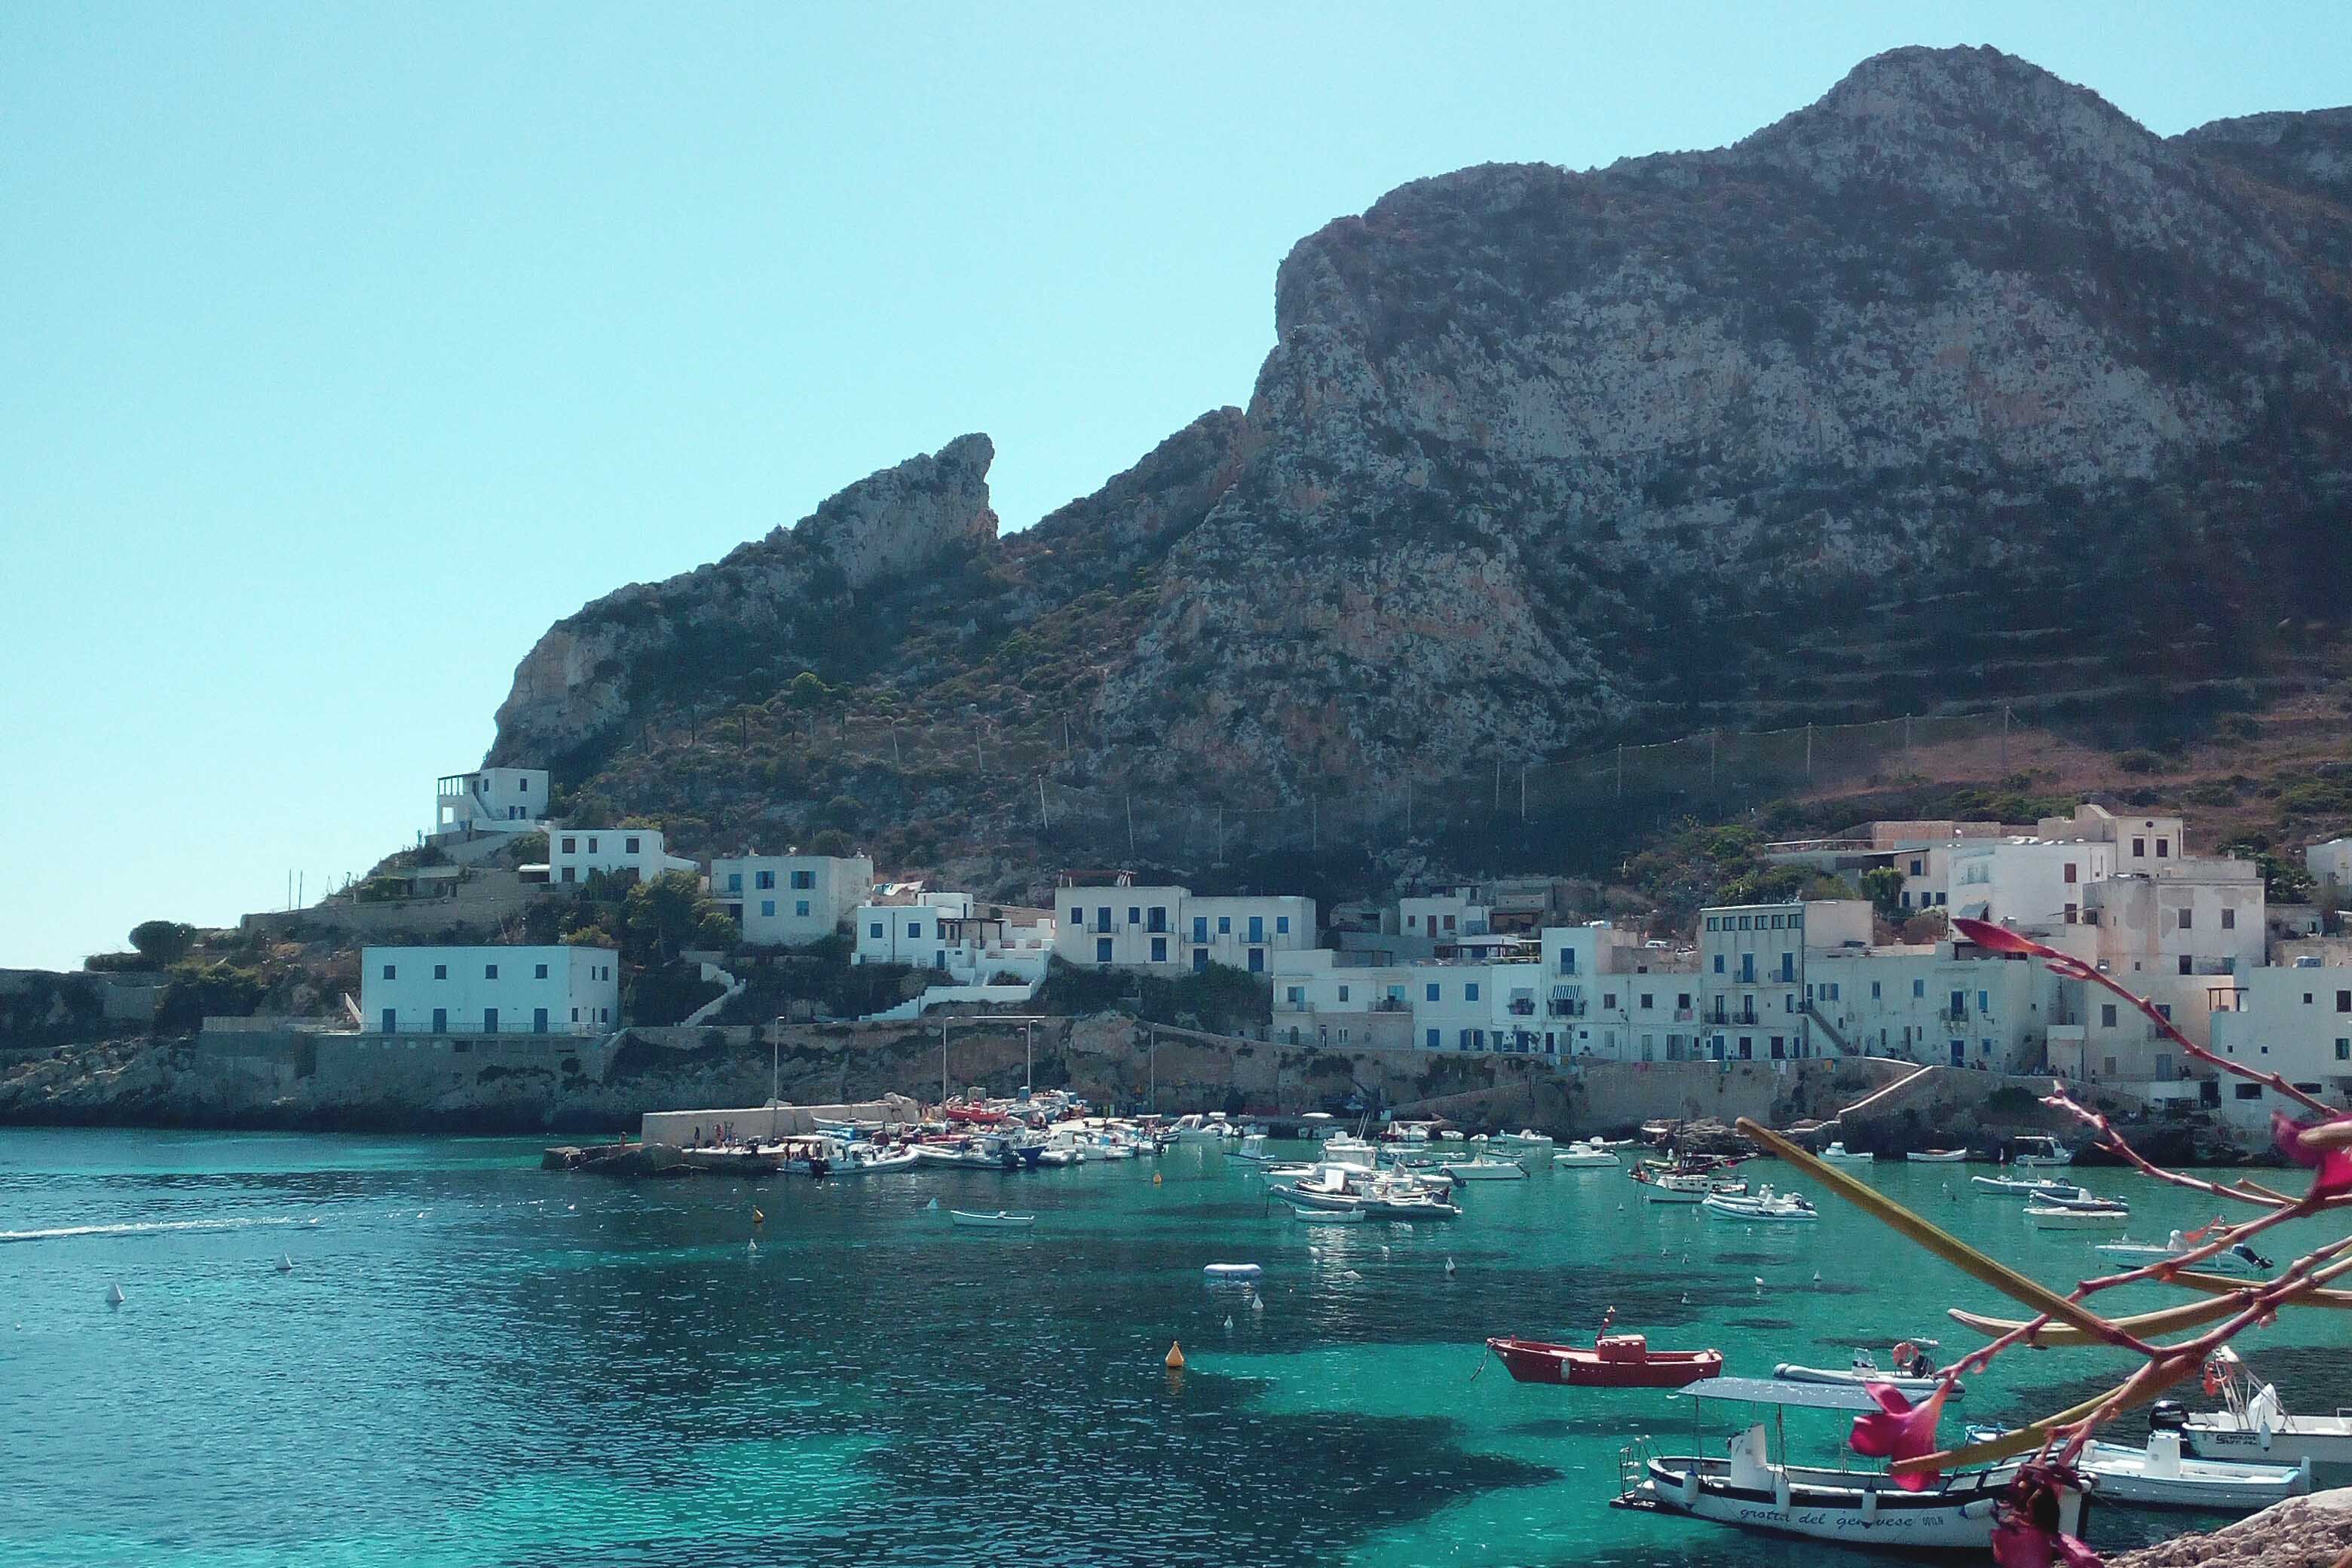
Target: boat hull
[
  {"x": 1846, "y": 1377},
  {"x": 2123, "y": 1474},
  {"x": 2077, "y": 1219},
  {"x": 1936, "y": 1156},
  {"x": 2323, "y": 1440},
  {"x": 1958, "y": 1518},
  {"x": 1581, "y": 1366}
]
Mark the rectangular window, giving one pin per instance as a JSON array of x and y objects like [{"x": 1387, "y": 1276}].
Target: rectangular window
[
  {"x": 1159, "y": 950},
  {"x": 915, "y": 929},
  {"x": 440, "y": 972},
  {"x": 2247, "y": 1090},
  {"x": 2188, "y": 917},
  {"x": 1608, "y": 998},
  {"x": 2107, "y": 1016},
  {"x": 1718, "y": 964},
  {"x": 628, "y": 847},
  {"x": 1918, "y": 867},
  {"x": 1984, "y": 1002},
  {"x": 1225, "y": 925},
  {"x": 1432, "y": 993},
  {"x": 538, "y": 1020},
  {"x": 800, "y": 908},
  {"x": 388, "y": 972},
  {"x": 1102, "y": 950},
  {"x": 1297, "y": 996},
  {"x": 1343, "y": 993},
  {"x": 1199, "y": 927},
  {"x": 390, "y": 1022},
  {"x": 2229, "y": 920},
  {"x": 538, "y": 972},
  {"x": 591, "y": 846},
  {"x": 568, "y": 873},
  {"x": 734, "y": 881},
  {"x": 875, "y": 930},
  {"x": 763, "y": 880},
  {"x": 2070, "y": 872},
  {"x": 1433, "y": 1040},
  {"x": 1282, "y": 925},
  {"x": 1470, "y": 991},
  {"x": 2343, "y": 1001},
  {"x": 1919, "y": 989},
  {"x": 1102, "y": 918},
  {"x": 2185, "y": 963},
  {"x": 1134, "y": 915},
  {"x": 1257, "y": 960},
  {"x": 440, "y": 1020},
  {"x": 802, "y": 882},
  {"x": 2163, "y": 848},
  {"x": 571, "y": 844},
  {"x": 1199, "y": 960},
  {"x": 2073, "y": 914},
  {"x": 1645, "y": 1000},
  {"x": 2344, "y": 1050},
  {"x": 768, "y": 911},
  {"x": 2139, "y": 848},
  {"x": 1874, "y": 990}
]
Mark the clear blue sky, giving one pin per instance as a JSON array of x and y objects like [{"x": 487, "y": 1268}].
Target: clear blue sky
[{"x": 343, "y": 348}]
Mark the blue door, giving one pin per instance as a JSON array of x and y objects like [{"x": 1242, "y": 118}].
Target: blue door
[
  {"x": 391, "y": 1021},
  {"x": 1257, "y": 928},
  {"x": 538, "y": 1020},
  {"x": 1199, "y": 960},
  {"x": 1959, "y": 1052},
  {"x": 490, "y": 1020}
]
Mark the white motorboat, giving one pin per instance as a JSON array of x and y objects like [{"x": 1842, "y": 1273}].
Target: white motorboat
[
  {"x": 1764, "y": 1205},
  {"x": 1512, "y": 1144},
  {"x": 1745, "y": 1488},
  {"x": 973, "y": 1155},
  {"x": 2161, "y": 1475},
  {"x": 1676, "y": 1190},
  {"x": 1936, "y": 1156},
  {"x": 1328, "y": 1216},
  {"x": 1484, "y": 1170},
  {"x": 2082, "y": 1198},
  {"x": 1196, "y": 1129},
  {"x": 872, "y": 1159},
  {"x": 1382, "y": 1197},
  {"x": 1230, "y": 1273},
  {"x": 1000, "y": 1220},
  {"x": 2238, "y": 1260},
  {"x": 2050, "y": 1217},
  {"x": 1913, "y": 1374},
  {"x": 1838, "y": 1153},
  {"x": 2036, "y": 1149},
  {"x": 1589, "y": 1154},
  {"x": 2031, "y": 1188},
  {"x": 2253, "y": 1423}
]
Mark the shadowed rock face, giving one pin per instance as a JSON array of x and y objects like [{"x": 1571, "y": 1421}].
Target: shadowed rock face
[
  {"x": 585, "y": 676},
  {"x": 1956, "y": 384}
]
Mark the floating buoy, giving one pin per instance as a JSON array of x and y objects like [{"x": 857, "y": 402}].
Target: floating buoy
[
  {"x": 1685, "y": 1298},
  {"x": 1817, "y": 1276},
  {"x": 1155, "y": 1178},
  {"x": 932, "y": 1205},
  {"x": 1449, "y": 1268},
  {"x": 1257, "y": 1302},
  {"x": 759, "y": 1218},
  {"x": 286, "y": 1263},
  {"x": 1229, "y": 1323},
  {"x": 114, "y": 1295},
  {"x": 1174, "y": 1361},
  {"x": 752, "y": 1246}
]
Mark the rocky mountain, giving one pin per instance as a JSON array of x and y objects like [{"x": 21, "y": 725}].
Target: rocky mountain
[{"x": 1955, "y": 385}]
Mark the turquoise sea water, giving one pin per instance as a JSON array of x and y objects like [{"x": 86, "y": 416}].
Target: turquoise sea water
[{"x": 474, "y": 1361}]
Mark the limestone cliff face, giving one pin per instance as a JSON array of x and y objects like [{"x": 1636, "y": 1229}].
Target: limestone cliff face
[
  {"x": 1957, "y": 386},
  {"x": 585, "y": 677},
  {"x": 1539, "y": 451}
]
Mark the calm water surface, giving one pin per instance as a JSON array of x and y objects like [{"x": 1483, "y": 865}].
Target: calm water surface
[{"x": 477, "y": 1363}]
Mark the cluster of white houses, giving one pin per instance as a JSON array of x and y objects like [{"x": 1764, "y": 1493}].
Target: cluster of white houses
[{"x": 1487, "y": 969}]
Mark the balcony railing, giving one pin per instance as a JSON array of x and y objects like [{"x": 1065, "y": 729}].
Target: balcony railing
[{"x": 1523, "y": 1008}]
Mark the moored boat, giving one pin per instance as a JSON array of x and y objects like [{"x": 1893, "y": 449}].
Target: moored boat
[
  {"x": 2238, "y": 1260},
  {"x": 1746, "y": 1488},
  {"x": 1000, "y": 1220},
  {"x": 1589, "y": 1154},
  {"x": 1611, "y": 1360},
  {"x": 2253, "y": 1423},
  {"x": 1328, "y": 1216},
  {"x": 1913, "y": 1374},
  {"x": 1512, "y": 1144},
  {"x": 2036, "y": 1149},
  {"x": 1484, "y": 1170},
  {"x": 2160, "y": 1475},
  {"x": 1839, "y": 1154},
  {"x": 2032, "y": 1186},
  {"x": 1766, "y": 1205},
  {"x": 1936, "y": 1156}
]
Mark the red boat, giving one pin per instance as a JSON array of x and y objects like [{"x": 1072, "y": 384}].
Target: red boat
[{"x": 1611, "y": 1360}]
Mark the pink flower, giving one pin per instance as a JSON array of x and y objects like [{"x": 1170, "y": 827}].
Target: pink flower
[
  {"x": 1897, "y": 1430},
  {"x": 2027, "y": 1535},
  {"x": 2325, "y": 1146}
]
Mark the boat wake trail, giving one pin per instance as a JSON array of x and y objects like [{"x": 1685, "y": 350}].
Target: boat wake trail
[{"x": 145, "y": 1228}]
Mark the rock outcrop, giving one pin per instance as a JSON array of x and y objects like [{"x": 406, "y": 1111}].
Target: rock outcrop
[
  {"x": 2312, "y": 1532},
  {"x": 1956, "y": 385}
]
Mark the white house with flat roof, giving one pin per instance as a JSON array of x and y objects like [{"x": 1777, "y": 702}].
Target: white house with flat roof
[
  {"x": 576, "y": 854},
  {"x": 2029, "y": 880},
  {"x": 1109, "y": 921},
  {"x": 1949, "y": 1003},
  {"x": 791, "y": 900},
  {"x": 489, "y": 800},
  {"x": 2330, "y": 862},
  {"x": 1442, "y": 917},
  {"x": 558, "y": 990},
  {"x": 1752, "y": 973},
  {"x": 973, "y": 942},
  {"x": 2295, "y": 1020}
]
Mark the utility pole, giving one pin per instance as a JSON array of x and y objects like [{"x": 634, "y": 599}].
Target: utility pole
[
  {"x": 1809, "y": 749},
  {"x": 1130, "y": 828},
  {"x": 944, "y": 1061},
  {"x": 1314, "y": 825},
  {"x": 776, "y": 1063},
  {"x": 1523, "y": 793},
  {"x": 1044, "y": 815},
  {"x": 896, "y": 760},
  {"x": 1498, "y": 786},
  {"x": 1711, "y": 735},
  {"x": 2005, "y": 738},
  {"x": 1620, "y": 770}
]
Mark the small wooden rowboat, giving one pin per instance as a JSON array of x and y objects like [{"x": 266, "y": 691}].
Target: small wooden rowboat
[
  {"x": 997, "y": 1221},
  {"x": 1614, "y": 1361}
]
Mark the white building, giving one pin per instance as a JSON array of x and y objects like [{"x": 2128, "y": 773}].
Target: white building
[
  {"x": 1113, "y": 923},
  {"x": 2295, "y": 1020},
  {"x": 2330, "y": 862},
  {"x": 490, "y": 990},
  {"x": 1948, "y": 1003},
  {"x": 575, "y": 854},
  {"x": 489, "y": 800},
  {"x": 971, "y": 943},
  {"x": 1752, "y": 973},
  {"x": 1443, "y": 917},
  {"x": 2025, "y": 880},
  {"x": 791, "y": 900}
]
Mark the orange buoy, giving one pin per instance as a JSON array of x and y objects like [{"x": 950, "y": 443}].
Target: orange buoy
[
  {"x": 1175, "y": 1362},
  {"x": 1155, "y": 1178}
]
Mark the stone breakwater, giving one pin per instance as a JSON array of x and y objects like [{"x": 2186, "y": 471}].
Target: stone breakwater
[{"x": 537, "y": 1083}]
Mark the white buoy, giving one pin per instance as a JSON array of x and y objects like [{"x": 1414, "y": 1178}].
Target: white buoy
[
  {"x": 1257, "y": 1302},
  {"x": 752, "y": 1246},
  {"x": 1817, "y": 1276},
  {"x": 1449, "y": 1268},
  {"x": 114, "y": 1295},
  {"x": 1685, "y": 1298},
  {"x": 286, "y": 1263},
  {"x": 932, "y": 1205},
  {"x": 1229, "y": 1323}
]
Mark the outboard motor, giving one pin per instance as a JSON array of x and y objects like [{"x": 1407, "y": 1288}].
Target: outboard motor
[
  {"x": 2167, "y": 1416},
  {"x": 2254, "y": 1257}
]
